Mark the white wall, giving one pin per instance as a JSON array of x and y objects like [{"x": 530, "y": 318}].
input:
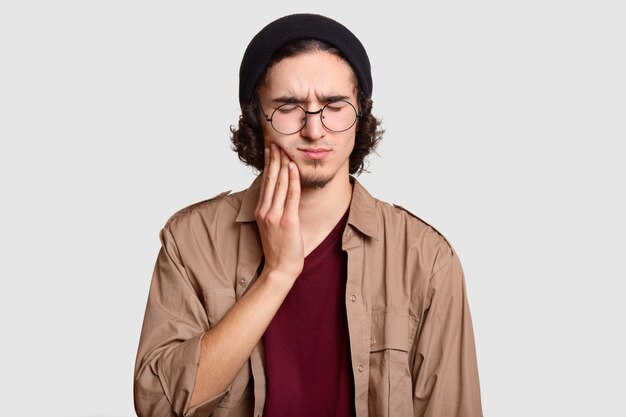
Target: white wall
[{"x": 505, "y": 130}]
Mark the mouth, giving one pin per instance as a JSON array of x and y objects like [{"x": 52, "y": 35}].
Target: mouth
[{"x": 315, "y": 153}]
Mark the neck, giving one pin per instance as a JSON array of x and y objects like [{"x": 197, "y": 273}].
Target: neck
[{"x": 321, "y": 208}]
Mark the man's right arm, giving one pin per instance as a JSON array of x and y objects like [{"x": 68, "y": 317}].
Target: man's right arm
[{"x": 183, "y": 367}]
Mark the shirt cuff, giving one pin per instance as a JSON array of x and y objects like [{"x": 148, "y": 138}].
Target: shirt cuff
[{"x": 178, "y": 369}]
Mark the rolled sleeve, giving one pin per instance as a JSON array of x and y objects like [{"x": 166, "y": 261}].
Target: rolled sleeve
[
  {"x": 445, "y": 367},
  {"x": 169, "y": 347}
]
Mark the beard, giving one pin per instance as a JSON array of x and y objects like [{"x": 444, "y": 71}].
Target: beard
[{"x": 314, "y": 180}]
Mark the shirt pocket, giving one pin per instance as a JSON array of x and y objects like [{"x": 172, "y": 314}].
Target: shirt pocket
[{"x": 390, "y": 384}]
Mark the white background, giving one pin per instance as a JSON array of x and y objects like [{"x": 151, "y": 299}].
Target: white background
[{"x": 504, "y": 129}]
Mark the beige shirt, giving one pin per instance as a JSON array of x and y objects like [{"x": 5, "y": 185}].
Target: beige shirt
[{"x": 410, "y": 329}]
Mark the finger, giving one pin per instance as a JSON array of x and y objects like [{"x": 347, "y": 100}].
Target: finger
[
  {"x": 293, "y": 192},
  {"x": 270, "y": 179},
  {"x": 266, "y": 164},
  {"x": 280, "y": 190}
]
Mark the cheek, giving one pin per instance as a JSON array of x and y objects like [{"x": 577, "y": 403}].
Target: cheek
[
  {"x": 270, "y": 136},
  {"x": 266, "y": 135},
  {"x": 350, "y": 142}
]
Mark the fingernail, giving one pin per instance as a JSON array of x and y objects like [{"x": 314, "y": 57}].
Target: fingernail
[
  {"x": 273, "y": 146},
  {"x": 266, "y": 149},
  {"x": 291, "y": 165}
]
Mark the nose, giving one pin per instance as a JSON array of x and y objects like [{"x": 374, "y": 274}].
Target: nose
[{"x": 313, "y": 127}]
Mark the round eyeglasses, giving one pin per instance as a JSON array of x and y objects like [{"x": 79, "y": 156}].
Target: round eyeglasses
[{"x": 290, "y": 118}]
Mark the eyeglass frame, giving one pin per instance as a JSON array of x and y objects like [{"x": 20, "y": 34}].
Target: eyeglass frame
[{"x": 306, "y": 118}]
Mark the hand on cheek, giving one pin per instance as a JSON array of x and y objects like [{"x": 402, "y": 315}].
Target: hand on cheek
[{"x": 277, "y": 214}]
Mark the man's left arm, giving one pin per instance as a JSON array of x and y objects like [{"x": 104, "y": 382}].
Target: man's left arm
[{"x": 445, "y": 371}]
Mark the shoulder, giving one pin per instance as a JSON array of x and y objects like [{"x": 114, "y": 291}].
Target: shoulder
[
  {"x": 416, "y": 222},
  {"x": 223, "y": 207},
  {"x": 396, "y": 225},
  {"x": 412, "y": 234}
]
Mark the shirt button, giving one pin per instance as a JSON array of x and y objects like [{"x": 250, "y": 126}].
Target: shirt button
[
  {"x": 242, "y": 281},
  {"x": 353, "y": 298},
  {"x": 372, "y": 341},
  {"x": 361, "y": 368}
]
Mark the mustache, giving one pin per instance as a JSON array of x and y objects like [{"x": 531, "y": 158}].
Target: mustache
[{"x": 318, "y": 143}]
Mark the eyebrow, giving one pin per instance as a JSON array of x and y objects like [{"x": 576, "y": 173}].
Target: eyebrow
[{"x": 296, "y": 100}]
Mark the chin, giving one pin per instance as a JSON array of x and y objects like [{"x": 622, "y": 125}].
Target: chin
[{"x": 314, "y": 181}]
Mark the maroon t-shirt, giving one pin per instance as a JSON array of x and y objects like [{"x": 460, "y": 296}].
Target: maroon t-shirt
[{"x": 307, "y": 349}]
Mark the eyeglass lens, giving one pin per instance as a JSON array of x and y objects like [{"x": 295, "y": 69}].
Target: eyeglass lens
[{"x": 337, "y": 116}]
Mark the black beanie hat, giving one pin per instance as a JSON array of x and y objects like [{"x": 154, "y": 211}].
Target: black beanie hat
[{"x": 301, "y": 26}]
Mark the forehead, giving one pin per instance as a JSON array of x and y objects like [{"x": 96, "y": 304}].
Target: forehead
[{"x": 319, "y": 72}]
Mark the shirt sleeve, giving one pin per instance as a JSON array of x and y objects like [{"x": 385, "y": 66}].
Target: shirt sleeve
[
  {"x": 169, "y": 347},
  {"x": 445, "y": 369}
]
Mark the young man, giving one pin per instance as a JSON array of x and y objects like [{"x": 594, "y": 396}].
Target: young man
[{"x": 303, "y": 295}]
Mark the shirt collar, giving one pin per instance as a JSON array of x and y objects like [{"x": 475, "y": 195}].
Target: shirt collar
[
  {"x": 250, "y": 199},
  {"x": 363, "y": 214}
]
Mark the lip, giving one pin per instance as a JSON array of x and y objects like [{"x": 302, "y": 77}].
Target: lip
[{"x": 315, "y": 153}]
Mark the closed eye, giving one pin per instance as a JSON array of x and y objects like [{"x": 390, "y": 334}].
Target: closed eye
[
  {"x": 288, "y": 108},
  {"x": 336, "y": 105}
]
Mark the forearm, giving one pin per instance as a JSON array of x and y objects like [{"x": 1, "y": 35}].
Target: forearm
[{"x": 226, "y": 347}]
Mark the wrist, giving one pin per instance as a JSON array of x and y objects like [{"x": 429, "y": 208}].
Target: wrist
[{"x": 277, "y": 279}]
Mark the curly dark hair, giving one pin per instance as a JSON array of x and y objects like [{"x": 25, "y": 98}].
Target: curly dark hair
[{"x": 247, "y": 137}]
